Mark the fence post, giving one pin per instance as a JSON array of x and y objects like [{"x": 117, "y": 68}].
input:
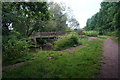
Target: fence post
[{"x": 34, "y": 39}]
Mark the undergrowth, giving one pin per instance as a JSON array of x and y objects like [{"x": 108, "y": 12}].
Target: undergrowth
[{"x": 83, "y": 63}]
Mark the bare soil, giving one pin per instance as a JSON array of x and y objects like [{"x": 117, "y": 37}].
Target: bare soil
[{"x": 90, "y": 38}]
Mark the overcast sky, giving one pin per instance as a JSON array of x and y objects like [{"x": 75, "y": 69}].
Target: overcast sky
[{"x": 82, "y": 9}]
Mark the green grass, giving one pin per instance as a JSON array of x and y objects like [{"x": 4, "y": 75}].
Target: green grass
[
  {"x": 83, "y": 63},
  {"x": 102, "y": 37},
  {"x": 91, "y": 33},
  {"x": 21, "y": 59},
  {"x": 83, "y": 40}
]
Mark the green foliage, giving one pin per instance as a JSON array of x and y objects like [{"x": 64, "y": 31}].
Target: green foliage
[
  {"x": 111, "y": 33},
  {"x": 14, "y": 48},
  {"x": 58, "y": 18},
  {"x": 69, "y": 29},
  {"x": 91, "y": 33},
  {"x": 83, "y": 63},
  {"x": 66, "y": 41},
  {"x": 24, "y": 17},
  {"x": 24, "y": 58},
  {"x": 102, "y": 37},
  {"x": 106, "y": 20},
  {"x": 74, "y": 24}
]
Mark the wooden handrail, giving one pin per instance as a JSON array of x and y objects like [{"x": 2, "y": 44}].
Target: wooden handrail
[{"x": 53, "y": 33}]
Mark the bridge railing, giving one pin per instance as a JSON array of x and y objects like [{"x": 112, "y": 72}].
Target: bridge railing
[
  {"x": 40, "y": 34},
  {"x": 49, "y": 35}
]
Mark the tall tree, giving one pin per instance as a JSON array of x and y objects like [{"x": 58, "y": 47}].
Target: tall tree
[
  {"x": 24, "y": 16},
  {"x": 74, "y": 24},
  {"x": 107, "y": 19},
  {"x": 59, "y": 17}
]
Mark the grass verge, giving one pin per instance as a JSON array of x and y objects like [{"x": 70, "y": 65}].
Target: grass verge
[
  {"x": 102, "y": 37},
  {"x": 83, "y": 63},
  {"x": 114, "y": 38}
]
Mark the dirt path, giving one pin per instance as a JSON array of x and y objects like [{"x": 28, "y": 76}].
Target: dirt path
[
  {"x": 90, "y": 38},
  {"x": 110, "y": 59}
]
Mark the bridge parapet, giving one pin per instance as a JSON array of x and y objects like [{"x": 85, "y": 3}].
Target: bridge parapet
[{"x": 40, "y": 34}]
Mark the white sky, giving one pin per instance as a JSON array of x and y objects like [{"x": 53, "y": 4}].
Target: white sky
[{"x": 82, "y": 9}]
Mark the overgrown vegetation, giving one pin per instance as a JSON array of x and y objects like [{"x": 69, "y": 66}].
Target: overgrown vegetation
[
  {"x": 66, "y": 41},
  {"x": 102, "y": 37},
  {"x": 21, "y": 20},
  {"x": 91, "y": 33},
  {"x": 83, "y": 63},
  {"x": 25, "y": 19},
  {"x": 114, "y": 33},
  {"x": 106, "y": 21},
  {"x": 15, "y": 48}
]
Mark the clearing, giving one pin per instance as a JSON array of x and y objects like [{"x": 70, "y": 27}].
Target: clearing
[{"x": 79, "y": 65}]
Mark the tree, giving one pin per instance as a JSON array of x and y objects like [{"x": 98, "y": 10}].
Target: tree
[
  {"x": 59, "y": 18},
  {"x": 24, "y": 16},
  {"x": 74, "y": 24},
  {"x": 107, "y": 19}
]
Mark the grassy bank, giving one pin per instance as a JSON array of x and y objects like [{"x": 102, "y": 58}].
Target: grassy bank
[{"x": 83, "y": 63}]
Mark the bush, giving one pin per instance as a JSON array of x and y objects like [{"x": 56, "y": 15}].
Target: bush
[
  {"x": 91, "y": 33},
  {"x": 66, "y": 41},
  {"x": 14, "y": 48}
]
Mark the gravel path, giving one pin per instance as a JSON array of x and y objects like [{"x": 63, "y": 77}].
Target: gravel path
[{"x": 110, "y": 59}]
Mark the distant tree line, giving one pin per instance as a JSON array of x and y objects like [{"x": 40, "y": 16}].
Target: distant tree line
[{"x": 107, "y": 19}]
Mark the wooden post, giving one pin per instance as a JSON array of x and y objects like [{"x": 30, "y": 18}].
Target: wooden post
[{"x": 35, "y": 42}]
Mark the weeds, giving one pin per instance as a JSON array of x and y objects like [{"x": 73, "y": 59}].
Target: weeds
[
  {"x": 69, "y": 40},
  {"x": 83, "y": 63}
]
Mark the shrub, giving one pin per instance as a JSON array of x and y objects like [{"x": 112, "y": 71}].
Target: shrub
[
  {"x": 91, "y": 33},
  {"x": 66, "y": 41},
  {"x": 14, "y": 48}
]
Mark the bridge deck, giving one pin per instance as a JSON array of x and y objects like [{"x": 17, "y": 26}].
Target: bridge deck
[{"x": 44, "y": 37}]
